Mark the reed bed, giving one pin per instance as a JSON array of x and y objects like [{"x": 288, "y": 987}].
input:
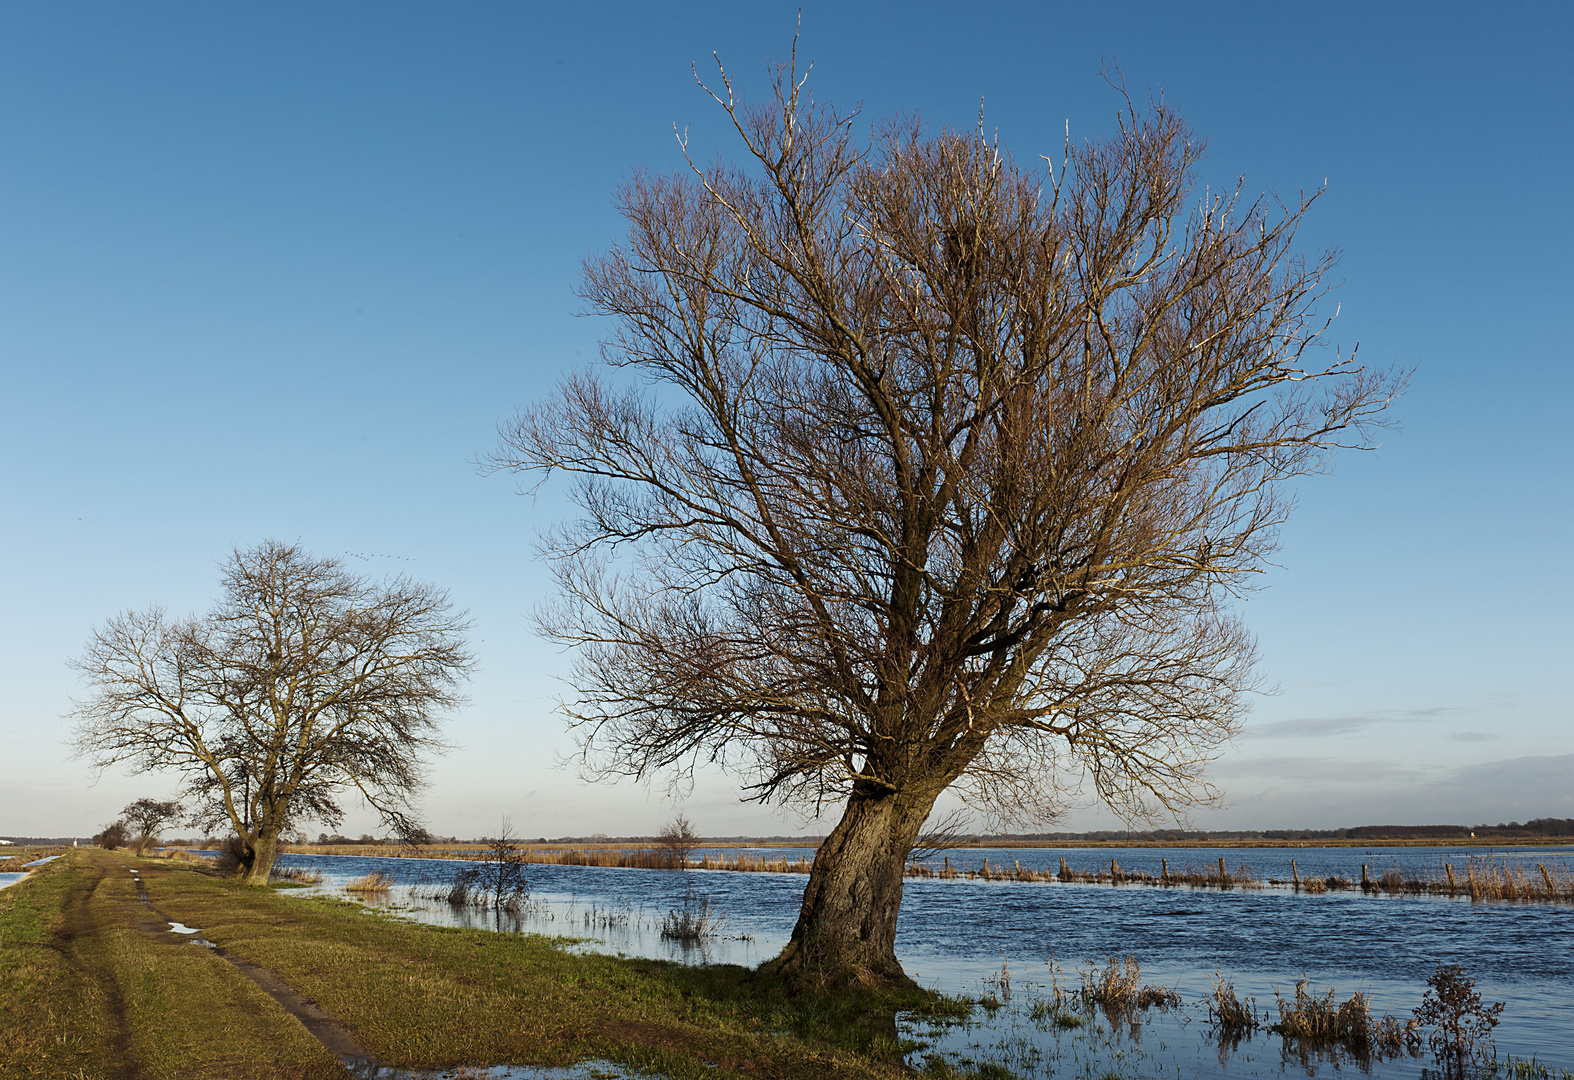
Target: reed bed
[
  {"x": 1212, "y": 878},
  {"x": 1479, "y": 878},
  {"x": 301, "y": 875},
  {"x": 1317, "y": 1021},
  {"x": 376, "y": 882}
]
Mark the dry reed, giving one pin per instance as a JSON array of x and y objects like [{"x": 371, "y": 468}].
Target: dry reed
[
  {"x": 1482, "y": 879},
  {"x": 1118, "y": 987},
  {"x": 375, "y": 882},
  {"x": 1229, "y": 1015}
]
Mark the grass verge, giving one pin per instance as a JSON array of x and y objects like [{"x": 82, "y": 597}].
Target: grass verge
[{"x": 101, "y": 990}]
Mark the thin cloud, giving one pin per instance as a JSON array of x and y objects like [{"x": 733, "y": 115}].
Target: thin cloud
[
  {"x": 1473, "y": 736},
  {"x": 1315, "y": 769},
  {"x": 1321, "y": 727}
]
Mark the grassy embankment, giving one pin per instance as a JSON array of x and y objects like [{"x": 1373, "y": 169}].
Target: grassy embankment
[{"x": 93, "y": 985}]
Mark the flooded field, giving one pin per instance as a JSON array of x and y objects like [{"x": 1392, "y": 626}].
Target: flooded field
[{"x": 996, "y": 940}]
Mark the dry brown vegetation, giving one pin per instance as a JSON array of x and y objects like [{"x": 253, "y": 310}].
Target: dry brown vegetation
[{"x": 375, "y": 882}]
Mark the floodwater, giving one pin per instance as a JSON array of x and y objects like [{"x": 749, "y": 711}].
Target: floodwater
[
  {"x": 10, "y": 879},
  {"x": 996, "y": 938}
]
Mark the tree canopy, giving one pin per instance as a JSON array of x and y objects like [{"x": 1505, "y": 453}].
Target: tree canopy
[{"x": 911, "y": 469}]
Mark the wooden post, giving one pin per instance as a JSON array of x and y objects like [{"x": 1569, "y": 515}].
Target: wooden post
[
  {"x": 1295, "y": 876},
  {"x": 1164, "y": 873},
  {"x": 1366, "y": 882},
  {"x": 1065, "y": 875},
  {"x": 1114, "y": 872},
  {"x": 1448, "y": 868},
  {"x": 1224, "y": 875},
  {"x": 1551, "y": 892}
]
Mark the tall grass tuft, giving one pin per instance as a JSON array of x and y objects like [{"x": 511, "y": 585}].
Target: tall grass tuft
[
  {"x": 1229, "y": 1015},
  {"x": 699, "y": 920},
  {"x": 1316, "y": 1021},
  {"x": 1118, "y": 987},
  {"x": 300, "y": 875},
  {"x": 374, "y": 883}
]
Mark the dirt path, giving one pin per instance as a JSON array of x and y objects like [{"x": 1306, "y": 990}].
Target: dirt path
[
  {"x": 79, "y": 921},
  {"x": 322, "y": 1027}
]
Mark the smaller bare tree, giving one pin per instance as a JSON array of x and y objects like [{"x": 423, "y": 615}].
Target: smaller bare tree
[
  {"x": 304, "y": 682},
  {"x": 677, "y": 840},
  {"x": 498, "y": 880},
  {"x": 147, "y": 817}
]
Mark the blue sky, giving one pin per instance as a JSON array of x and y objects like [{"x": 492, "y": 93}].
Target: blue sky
[{"x": 279, "y": 270}]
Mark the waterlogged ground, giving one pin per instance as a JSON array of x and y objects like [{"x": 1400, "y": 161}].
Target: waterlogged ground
[{"x": 994, "y": 940}]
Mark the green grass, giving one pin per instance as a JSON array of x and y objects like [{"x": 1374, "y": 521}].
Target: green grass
[
  {"x": 84, "y": 992},
  {"x": 413, "y": 995}
]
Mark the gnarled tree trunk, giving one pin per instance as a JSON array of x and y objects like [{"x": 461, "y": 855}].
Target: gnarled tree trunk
[
  {"x": 256, "y": 857},
  {"x": 846, "y": 932}
]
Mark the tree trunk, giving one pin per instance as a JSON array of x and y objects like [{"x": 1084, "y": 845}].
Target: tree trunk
[
  {"x": 846, "y": 932},
  {"x": 257, "y": 858}
]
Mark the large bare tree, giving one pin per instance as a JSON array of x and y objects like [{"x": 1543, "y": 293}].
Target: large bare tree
[
  {"x": 912, "y": 469},
  {"x": 304, "y": 682}
]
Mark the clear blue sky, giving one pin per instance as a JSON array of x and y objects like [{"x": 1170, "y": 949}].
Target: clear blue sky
[{"x": 279, "y": 270}]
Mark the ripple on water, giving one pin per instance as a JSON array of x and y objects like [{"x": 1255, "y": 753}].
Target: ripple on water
[{"x": 954, "y": 935}]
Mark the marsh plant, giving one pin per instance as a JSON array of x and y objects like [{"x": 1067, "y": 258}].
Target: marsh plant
[
  {"x": 698, "y": 920},
  {"x": 496, "y": 881},
  {"x": 1461, "y": 1023},
  {"x": 376, "y": 883},
  {"x": 1231, "y": 1017},
  {"x": 1118, "y": 987}
]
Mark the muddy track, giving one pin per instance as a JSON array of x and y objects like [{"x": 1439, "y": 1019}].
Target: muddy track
[
  {"x": 322, "y": 1027},
  {"x": 78, "y": 924}
]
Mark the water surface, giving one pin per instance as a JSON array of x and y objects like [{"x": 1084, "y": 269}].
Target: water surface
[{"x": 960, "y": 936}]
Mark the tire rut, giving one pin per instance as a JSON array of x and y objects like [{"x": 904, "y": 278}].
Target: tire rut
[
  {"x": 322, "y": 1027},
  {"x": 78, "y": 921}
]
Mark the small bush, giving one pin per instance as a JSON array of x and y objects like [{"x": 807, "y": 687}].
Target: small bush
[
  {"x": 1461, "y": 1024},
  {"x": 113, "y": 836}
]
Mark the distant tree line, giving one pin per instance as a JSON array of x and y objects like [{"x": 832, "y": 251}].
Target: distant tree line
[{"x": 1535, "y": 827}]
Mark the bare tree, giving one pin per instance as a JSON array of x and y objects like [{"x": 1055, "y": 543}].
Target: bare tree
[
  {"x": 913, "y": 469},
  {"x": 677, "y": 839},
  {"x": 147, "y": 817},
  {"x": 302, "y": 683}
]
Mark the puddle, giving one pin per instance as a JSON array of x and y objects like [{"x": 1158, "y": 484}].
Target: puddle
[
  {"x": 41, "y": 862},
  {"x": 10, "y": 879},
  {"x": 182, "y": 928},
  {"x": 585, "y": 1070}
]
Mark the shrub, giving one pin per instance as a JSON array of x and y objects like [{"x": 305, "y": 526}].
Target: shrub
[{"x": 1461, "y": 1024}]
